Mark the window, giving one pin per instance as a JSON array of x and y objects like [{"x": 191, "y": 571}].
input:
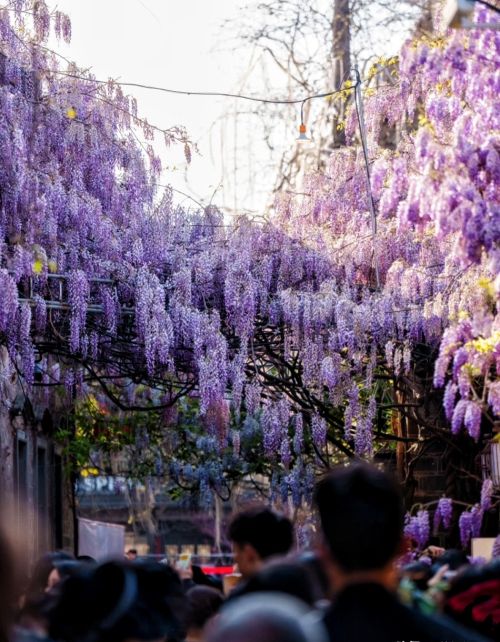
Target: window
[
  {"x": 20, "y": 470},
  {"x": 41, "y": 498},
  {"x": 58, "y": 502},
  {"x": 20, "y": 478}
]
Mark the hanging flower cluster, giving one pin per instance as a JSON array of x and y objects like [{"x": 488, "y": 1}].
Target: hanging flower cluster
[{"x": 469, "y": 522}]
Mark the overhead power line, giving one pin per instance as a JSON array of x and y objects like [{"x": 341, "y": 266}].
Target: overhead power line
[{"x": 257, "y": 99}]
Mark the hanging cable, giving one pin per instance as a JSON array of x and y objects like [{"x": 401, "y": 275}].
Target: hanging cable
[{"x": 293, "y": 101}]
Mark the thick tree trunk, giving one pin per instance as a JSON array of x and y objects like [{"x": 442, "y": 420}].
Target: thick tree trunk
[
  {"x": 341, "y": 60},
  {"x": 341, "y": 44}
]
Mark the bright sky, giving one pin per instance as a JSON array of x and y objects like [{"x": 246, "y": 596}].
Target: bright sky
[
  {"x": 181, "y": 44},
  {"x": 168, "y": 43}
]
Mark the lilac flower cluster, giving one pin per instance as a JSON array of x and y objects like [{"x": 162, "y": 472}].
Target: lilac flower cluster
[
  {"x": 443, "y": 514},
  {"x": 318, "y": 431},
  {"x": 417, "y": 527},
  {"x": 470, "y": 523},
  {"x": 486, "y": 494},
  {"x": 78, "y": 294}
]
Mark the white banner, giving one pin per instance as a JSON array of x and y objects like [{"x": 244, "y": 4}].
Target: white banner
[
  {"x": 101, "y": 540},
  {"x": 483, "y": 547}
]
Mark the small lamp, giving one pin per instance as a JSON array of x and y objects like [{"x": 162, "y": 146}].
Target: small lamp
[{"x": 302, "y": 133}]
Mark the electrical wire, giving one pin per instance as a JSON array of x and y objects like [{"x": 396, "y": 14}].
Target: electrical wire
[
  {"x": 257, "y": 99},
  {"x": 272, "y": 101}
]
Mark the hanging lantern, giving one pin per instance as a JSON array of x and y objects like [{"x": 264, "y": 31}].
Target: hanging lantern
[{"x": 302, "y": 133}]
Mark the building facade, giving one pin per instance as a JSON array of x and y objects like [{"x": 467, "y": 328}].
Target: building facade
[{"x": 35, "y": 492}]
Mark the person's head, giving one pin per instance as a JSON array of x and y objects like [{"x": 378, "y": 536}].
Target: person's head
[
  {"x": 258, "y": 534},
  {"x": 33, "y": 615},
  {"x": 43, "y": 577},
  {"x": 454, "y": 558},
  {"x": 203, "y": 603},
  {"x": 131, "y": 554},
  {"x": 362, "y": 516},
  {"x": 62, "y": 570},
  {"x": 311, "y": 561},
  {"x": 266, "y": 617},
  {"x": 86, "y": 559},
  {"x": 282, "y": 576},
  {"x": 115, "y": 602},
  {"x": 200, "y": 578}
]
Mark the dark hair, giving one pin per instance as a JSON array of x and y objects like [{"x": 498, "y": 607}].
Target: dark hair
[
  {"x": 269, "y": 533},
  {"x": 115, "y": 601},
  {"x": 472, "y": 599},
  {"x": 67, "y": 568},
  {"x": 132, "y": 550},
  {"x": 453, "y": 557},
  {"x": 290, "y": 578},
  {"x": 38, "y": 603},
  {"x": 316, "y": 571},
  {"x": 86, "y": 559},
  {"x": 362, "y": 516},
  {"x": 41, "y": 571},
  {"x": 202, "y": 602},
  {"x": 200, "y": 578}
]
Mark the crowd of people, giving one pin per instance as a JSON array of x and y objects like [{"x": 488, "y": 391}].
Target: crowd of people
[{"x": 356, "y": 585}]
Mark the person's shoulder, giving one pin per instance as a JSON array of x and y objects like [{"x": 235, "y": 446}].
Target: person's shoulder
[{"x": 384, "y": 617}]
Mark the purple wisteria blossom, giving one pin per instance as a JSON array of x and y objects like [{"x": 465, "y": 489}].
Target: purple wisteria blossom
[
  {"x": 417, "y": 527},
  {"x": 486, "y": 494},
  {"x": 450, "y": 394},
  {"x": 443, "y": 514},
  {"x": 496, "y": 547},
  {"x": 465, "y": 526},
  {"x": 318, "y": 430},
  {"x": 472, "y": 419},
  {"x": 298, "y": 437}
]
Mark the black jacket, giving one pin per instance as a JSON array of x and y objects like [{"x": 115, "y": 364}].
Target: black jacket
[{"x": 370, "y": 613}]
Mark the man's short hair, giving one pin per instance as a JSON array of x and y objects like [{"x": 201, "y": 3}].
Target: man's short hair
[
  {"x": 362, "y": 516},
  {"x": 132, "y": 551},
  {"x": 268, "y": 532}
]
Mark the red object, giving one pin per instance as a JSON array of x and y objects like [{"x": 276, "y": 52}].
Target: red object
[
  {"x": 490, "y": 607},
  {"x": 217, "y": 570}
]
